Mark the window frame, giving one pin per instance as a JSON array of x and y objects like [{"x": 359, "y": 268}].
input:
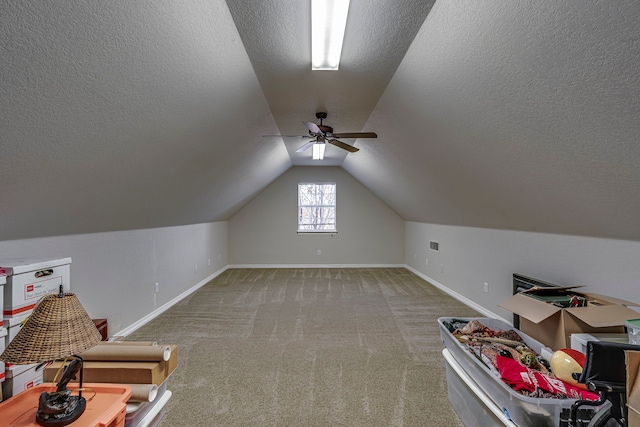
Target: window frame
[{"x": 334, "y": 230}]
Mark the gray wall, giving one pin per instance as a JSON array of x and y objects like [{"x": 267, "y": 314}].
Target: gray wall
[
  {"x": 264, "y": 232},
  {"x": 114, "y": 273},
  {"x": 469, "y": 257}
]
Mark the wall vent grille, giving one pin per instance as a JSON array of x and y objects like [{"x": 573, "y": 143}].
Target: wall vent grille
[{"x": 434, "y": 246}]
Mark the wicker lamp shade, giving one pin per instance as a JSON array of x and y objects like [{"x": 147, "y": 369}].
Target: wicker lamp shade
[{"x": 58, "y": 327}]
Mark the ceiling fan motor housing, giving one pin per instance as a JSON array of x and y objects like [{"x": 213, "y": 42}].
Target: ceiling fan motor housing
[{"x": 325, "y": 129}]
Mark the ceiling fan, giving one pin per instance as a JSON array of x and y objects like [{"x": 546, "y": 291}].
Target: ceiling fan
[{"x": 322, "y": 134}]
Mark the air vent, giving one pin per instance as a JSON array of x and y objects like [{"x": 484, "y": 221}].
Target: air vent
[{"x": 434, "y": 246}]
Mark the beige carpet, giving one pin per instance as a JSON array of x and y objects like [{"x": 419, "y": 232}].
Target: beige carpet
[{"x": 308, "y": 347}]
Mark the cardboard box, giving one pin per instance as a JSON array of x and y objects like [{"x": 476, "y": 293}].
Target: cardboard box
[
  {"x": 123, "y": 372},
  {"x": 28, "y": 280},
  {"x": 633, "y": 388},
  {"x": 553, "y": 325}
]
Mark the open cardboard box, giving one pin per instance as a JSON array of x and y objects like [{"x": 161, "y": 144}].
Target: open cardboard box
[
  {"x": 553, "y": 325},
  {"x": 633, "y": 388}
]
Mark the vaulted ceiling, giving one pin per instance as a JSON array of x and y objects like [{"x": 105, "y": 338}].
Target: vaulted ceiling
[{"x": 512, "y": 115}]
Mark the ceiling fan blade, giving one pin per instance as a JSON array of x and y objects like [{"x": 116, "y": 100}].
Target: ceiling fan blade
[
  {"x": 349, "y": 148},
  {"x": 313, "y": 128},
  {"x": 306, "y": 146},
  {"x": 356, "y": 135},
  {"x": 285, "y": 136}
]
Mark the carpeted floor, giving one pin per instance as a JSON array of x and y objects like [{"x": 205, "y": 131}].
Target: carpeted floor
[{"x": 308, "y": 347}]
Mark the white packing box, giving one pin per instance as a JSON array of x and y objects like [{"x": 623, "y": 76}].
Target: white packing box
[
  {"x": 3, "y": 333},
  {"x": 20, "y": 378},
  {"x": 28, "y": 280},
  {"x": 3, "y": 281},
  {"x": 13, "y": 325}
]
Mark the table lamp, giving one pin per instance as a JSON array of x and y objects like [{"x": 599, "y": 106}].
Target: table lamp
[{"x": 59, "y": 327}]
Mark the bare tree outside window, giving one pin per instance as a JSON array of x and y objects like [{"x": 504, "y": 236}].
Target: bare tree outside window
[{"x": 317, "y": 207}]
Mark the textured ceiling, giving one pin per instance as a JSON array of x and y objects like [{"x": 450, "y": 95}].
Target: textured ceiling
[
  {"x": 123, "y": 115},
  {"x": 513, "y": 115}
]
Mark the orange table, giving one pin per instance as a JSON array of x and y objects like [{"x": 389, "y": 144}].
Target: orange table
[{"x": 107, "y": 408}]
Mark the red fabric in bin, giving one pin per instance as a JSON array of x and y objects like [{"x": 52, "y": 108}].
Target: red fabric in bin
[{"x": 519, "y": 377}]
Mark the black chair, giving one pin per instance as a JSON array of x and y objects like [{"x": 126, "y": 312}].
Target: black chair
[{"x": 604, "y": 371}]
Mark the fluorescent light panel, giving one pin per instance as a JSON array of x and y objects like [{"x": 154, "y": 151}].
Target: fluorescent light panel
[
  {"x": 328, "y": 21},
  {"x": 318, "y": 151}
]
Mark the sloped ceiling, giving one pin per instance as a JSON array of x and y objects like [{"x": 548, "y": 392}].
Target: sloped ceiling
[
  {"x": 125, "y": 115},
  {"x": 514, "y": 115}
]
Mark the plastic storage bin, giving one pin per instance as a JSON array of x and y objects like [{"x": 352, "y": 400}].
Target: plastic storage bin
[
  {"x": 579, "y": 341},
  {"x": 521, "y": 410},
  {"x": 154, "y": 416},
  {"x": 469, "y": 402},
  {"x": 136, "y": 411},
  {"x": 106, "y": 409},
  {"x": 148, "y": 413},
  {"x": 633, "y": 331}
]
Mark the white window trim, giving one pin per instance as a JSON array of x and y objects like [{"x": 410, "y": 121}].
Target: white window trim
[{"x": 335, "y": 207}]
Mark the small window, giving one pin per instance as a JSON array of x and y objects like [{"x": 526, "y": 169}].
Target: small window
[{"x": 317, "y": 207}]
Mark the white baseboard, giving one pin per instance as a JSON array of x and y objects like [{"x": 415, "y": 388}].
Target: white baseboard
[
  {"x": 158, "y": 311},
  {"x": 462, "y": 299},
  {"x": 317, "y": 266}
]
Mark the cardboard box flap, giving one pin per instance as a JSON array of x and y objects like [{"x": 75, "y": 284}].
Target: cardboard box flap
[
  {"x": 612, "y": 300},
  {"x": 550, "y": 290},
  {"x": 525, "y": 306},
  {"x": 633, "y": 384},
  {"x": 603, "y": 316}
]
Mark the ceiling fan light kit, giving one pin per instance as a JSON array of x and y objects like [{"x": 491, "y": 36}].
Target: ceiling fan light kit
[
  {"x": 318, "y": 151},
  {"x": 328, "y": 22}
]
